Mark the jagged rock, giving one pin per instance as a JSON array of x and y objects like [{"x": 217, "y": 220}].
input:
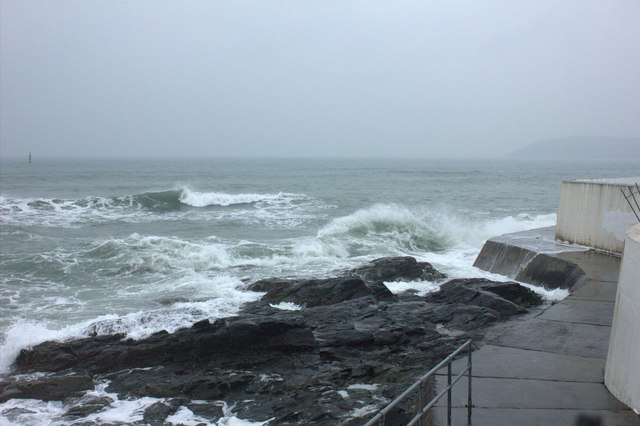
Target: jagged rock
[
  {"x": 505, "y": 299},
  {"x": 89, "y": 406},
  {"x": 188, "y": 383},
  {"x": 48, "y": 388},
  {"x": 206, "y": 342},
  {"x": 294, "y": 367},
  {"x": 403, "y": 268},
  {"x": 155, "y": 414},
  {"x": 310, "y": 293},
  {"x": 514, "y": 292},
  {"x": 205, "y": 409}
]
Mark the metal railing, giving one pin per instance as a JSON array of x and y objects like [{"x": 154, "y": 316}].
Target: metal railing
[
  {"x": 632, "y": 195},
  {"x": 380, "y": 417}
]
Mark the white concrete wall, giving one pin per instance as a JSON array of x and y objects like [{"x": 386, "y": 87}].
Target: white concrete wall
[
  {"x": 594, "y": 213},
  {"x": 622, "y": 373}
]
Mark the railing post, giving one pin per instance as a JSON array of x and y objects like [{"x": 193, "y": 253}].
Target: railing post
[
  {"x": 419, "y": 405},
  {"x": 469, "y": 401},
  {"x": 380, "y": 418},
  {"x": 449, "y": 393}
]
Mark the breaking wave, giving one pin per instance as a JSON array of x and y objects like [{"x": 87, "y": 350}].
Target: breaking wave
[
  {"x": 201, "y": 278},
  {"x": 137, "y": 207},
  {"x": 225, "y": 300},
  {"x": 392, "y": 229},
  {"x": 204, "y": 199}
]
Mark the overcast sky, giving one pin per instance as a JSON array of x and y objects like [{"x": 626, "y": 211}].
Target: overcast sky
[{"x": 313, "y": 78}]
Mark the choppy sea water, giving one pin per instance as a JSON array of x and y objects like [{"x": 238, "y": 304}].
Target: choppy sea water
[{"x": 138, "y": 246}]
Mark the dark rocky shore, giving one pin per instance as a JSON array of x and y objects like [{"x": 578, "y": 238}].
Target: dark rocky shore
[{"x": 296, "y": 367}]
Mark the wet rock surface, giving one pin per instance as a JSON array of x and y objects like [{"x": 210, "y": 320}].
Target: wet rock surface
[
  {"x": 403, "y": 268},
  {"x": 351, "y": 350},
  {"x": 310, "y": 293},
  {"x": 46, "y": 388}
]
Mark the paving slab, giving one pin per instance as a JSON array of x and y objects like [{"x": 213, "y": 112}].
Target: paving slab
[
  {"x": 534, "y": 394},
  {"x": 581, "y": 312},
  {"x": 527, "y": 417},
  {"x": 597, "y": 266},
  {"x": 502, "y": 362},
  {"x": 596, "y": 290},
  {"x": 590, "y": 341},
  {"x": 546, "y": 367}
]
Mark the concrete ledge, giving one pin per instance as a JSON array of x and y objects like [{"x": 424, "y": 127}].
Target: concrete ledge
[
  {"x": 501, "y": 257},
  {"x": 532, "y": 257},
  {"x": 535, "y": 257},
  {"x": 551, "y": 272}
]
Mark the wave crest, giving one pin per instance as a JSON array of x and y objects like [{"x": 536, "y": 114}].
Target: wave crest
[
  {"x": 383, "y": 229},
  {"x": 204, "y": 199},
  {"x": 136, "y": 207}
]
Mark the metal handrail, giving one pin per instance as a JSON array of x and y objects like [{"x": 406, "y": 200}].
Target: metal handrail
[
  {"x": 381, "y": 415},
  {"x": 632, "y": 195}
]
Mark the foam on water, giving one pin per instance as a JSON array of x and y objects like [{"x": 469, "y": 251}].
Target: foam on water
[
  {"x": 392, "y": 225},
  {"x": 137, "y": 325},
  {"x": 202, "y": 271},
  {"x": 159, "y": 254},
  {"x": 422, "y": 287},
  {"x": 137, "y": 247},
  {"x": 175, "y": 204},
  {"x": 287, "y": 306},
  {"x": 119, "y": 411},
  {"x": 204, "y": 199},
  {"x": 390, "y": 229}
]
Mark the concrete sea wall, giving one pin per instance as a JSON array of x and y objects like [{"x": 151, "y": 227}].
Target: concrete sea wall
[
  {"x": 594, "y": 213},
  {"x": 533, "y": 257},
  {"x": 622, "y": 373}
]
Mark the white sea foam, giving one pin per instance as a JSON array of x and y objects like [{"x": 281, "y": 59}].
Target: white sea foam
[
  {"x": 30, "y": 412},
  {"x": 284, "y": 208},
  {"x": 184, "y": 416},
  {"x": 204, "y": 199},
  {"x": 286, "y": 306},
  {"x": 136, "y": 325},
  {"x": 178, "y": 268},
  {"x": 160, "y": 254},
  {"x": 27, "y": 334},
  {"x": 68, "y": 213},
  {"x": 391, "y": 225},
  {"x": 119, "y": 411},
  {"x": 391, "y": 229},
  {"x": 364, "y": 410},
  {"x": 363, "y": 386},
  {"x": 554, "y": 295},
  {"x": 422, "y": 287}
]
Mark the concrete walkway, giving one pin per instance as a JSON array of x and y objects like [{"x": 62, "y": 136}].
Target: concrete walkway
[{"x": 547, "y": 367}]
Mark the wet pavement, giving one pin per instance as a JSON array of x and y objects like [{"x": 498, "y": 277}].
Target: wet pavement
[{"x": 547, "y": 367}]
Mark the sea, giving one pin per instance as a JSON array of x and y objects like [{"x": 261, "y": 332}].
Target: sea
[{"x": 136, "y": 246}]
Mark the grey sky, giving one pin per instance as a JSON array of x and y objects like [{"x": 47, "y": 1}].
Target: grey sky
[{"x": 322, "y": 78}]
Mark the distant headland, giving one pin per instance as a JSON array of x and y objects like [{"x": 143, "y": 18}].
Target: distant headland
[{"x": 581, "y": 148}]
